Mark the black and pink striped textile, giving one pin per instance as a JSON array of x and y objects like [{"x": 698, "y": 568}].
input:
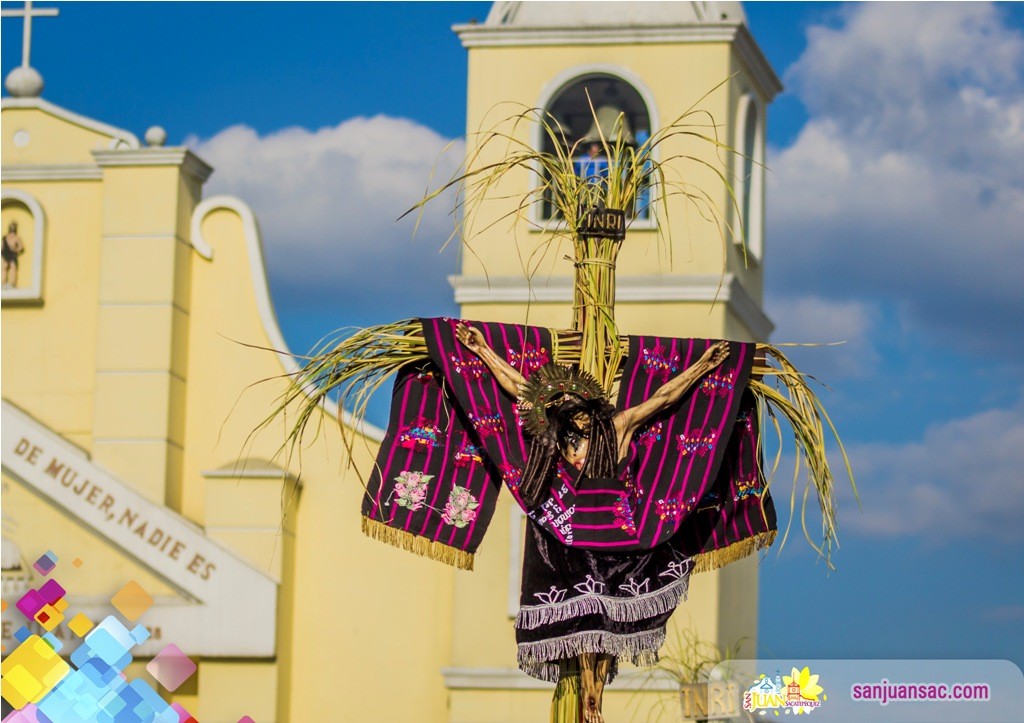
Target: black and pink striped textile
[{"x": 454, "y": 440}]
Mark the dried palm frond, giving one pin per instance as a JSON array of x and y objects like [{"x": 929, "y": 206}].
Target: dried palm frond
[
  {"x": 350, "y": 368},
  {"x": 784, "y": 393}
]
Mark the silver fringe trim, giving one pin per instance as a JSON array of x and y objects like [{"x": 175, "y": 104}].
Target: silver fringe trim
[
  {"x": 620, "y": 609},
  {"x": 541, "y": 659}
]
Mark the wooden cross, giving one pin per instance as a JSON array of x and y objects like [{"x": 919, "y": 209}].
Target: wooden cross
[{"x": 28, "y": 13}]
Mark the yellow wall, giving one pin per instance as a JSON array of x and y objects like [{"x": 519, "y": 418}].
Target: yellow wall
[
  {"x": 355, "y": 615},
  {"x": 52, "y": 139},
  {"x": 49, "y": 354}
]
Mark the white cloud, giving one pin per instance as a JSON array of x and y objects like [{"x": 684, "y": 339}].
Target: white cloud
[
  {"x": 814, "y": 319},
  {"x": 327, "y": 201},
  {"x": 962, "y": 479},
  {"x": 906, "y": 184}
]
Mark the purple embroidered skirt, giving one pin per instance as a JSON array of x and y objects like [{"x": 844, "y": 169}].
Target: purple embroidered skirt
[{"x": 579, "y": 601}]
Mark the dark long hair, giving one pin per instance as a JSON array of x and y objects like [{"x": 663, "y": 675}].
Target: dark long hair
[{"x": 545, "y": 449}]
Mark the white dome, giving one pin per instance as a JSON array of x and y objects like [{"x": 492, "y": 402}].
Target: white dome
[
  {"x": 24, "y": 82},
  {"x": 613, "y": 14}
]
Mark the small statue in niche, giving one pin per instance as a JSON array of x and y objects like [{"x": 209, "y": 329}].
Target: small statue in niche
[{"x": 13, "y": 247}]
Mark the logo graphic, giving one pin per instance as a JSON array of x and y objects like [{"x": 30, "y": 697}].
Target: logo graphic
[{"x": 797, "y": 693}]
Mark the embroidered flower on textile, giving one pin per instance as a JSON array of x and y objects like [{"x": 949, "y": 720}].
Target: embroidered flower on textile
[
  {"x": 677, "y": 569},
  {"x": 488, "y": 423},
  {"x": 590, "y": 586},
  {"x": 650, "y": 435},
  {"x": 469, "y": 368},
  {"x": 673, "y": 509},
  {"x": 419, "y": 436},
  {"x": 633, "y": 491},
  {"x": 411, "y": 489},
  {"x": 633, "y": 589},
  {"x": 749, "y": 487},
  {"x": 510, "y": 475},
  {"x": 529, "y": 360},
  {"x": 552, "y": 596},
  {"x": 425, "y": 376},
  {"x": 468, "y": 455},
  {"x": 698, "y": 443},
  {"x": 718, "y": 384},
  {"x": 658, "y": 362},
  {"x": 461, "y": 507},
  {"x": 746, "y": 420},
  {"x": 623, "y": 512}
]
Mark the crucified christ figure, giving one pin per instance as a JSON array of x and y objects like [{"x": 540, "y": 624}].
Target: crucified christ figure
[{"x": 620, "y": 602}]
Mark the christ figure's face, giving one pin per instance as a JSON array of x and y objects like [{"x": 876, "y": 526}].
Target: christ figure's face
[{"x": 582, "y": 422}]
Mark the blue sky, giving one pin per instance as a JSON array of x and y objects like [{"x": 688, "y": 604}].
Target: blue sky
[{"x": 896, "y": 200}]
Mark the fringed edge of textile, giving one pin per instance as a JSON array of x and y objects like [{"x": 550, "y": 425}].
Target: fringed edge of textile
[
  {"x": 418, "y": 545},
  {"x": 630, "y": 610},
  {"x": 541, "y": 659},
  {"x": 714, "y": 559}
]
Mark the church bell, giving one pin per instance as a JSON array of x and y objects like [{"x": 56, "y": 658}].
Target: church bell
[{"x": 609, "y": 123}]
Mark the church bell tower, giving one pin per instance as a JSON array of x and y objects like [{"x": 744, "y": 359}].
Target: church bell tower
[{"x": 679, "y": 273}]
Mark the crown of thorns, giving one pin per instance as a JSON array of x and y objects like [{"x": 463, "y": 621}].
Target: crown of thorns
[{"x": 547, "y": 386}]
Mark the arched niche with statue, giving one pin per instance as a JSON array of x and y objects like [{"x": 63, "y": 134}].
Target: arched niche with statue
[{"x": 23, "y": 226}]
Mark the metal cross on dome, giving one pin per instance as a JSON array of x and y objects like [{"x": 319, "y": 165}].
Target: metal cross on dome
[{"x": 28, "y": 13}]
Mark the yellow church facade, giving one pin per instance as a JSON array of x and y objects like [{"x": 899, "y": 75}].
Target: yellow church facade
[{"x": 128, "y": 401}]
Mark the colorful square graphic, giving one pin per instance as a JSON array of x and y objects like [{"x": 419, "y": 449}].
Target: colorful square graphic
[
  {"x": 109, "y": 642},
  {"x": 78, "y": 562},
  {"x": 30, "y": 603},
  {"x": 132, "y": 601},
  {"x": 30, "y": 672},
  {"x": 48, "y": 617},
  {"x": 53, "y": 641},
  {"x": 171, "y": 667},
  {"x": 46, "y": 562},
  {"x": 51, "y": 591},
  {"x": 183, "y": 715},
  {"x": 44, "y": 688},
  {"x": 139, "y": 634},
  {"x": 80, "y": 625},
  {"x": 25, "y": 715}
]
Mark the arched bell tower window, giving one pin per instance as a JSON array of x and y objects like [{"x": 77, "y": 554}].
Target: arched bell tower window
[
  {"x": 570, "y": 108},
  {"x": 750, "y": 142}
]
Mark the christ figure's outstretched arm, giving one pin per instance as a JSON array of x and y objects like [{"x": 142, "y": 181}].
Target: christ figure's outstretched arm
[
  {"x": 507, "y": 377},
  {"x": 629, "y": 420}
]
